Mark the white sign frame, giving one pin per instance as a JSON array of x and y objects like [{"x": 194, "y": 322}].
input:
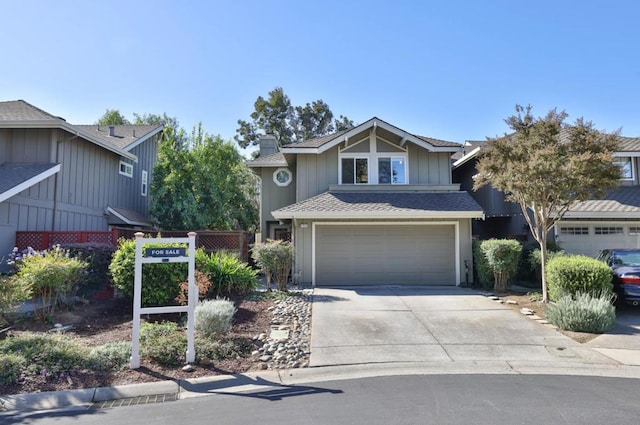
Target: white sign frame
[{"x": 138, "y": 310}]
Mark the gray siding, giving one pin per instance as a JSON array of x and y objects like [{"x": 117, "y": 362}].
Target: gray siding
[
  {"x": 4, "y": 145},
  {"x": 433, "y": 168},
  {"x": 315, "y": 173},
  {"x": 273, "y": 197},
  {"x": 77, "y": 196}
]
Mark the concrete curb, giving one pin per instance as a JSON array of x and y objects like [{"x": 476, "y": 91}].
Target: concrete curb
[{"x": 261, "y": 381}]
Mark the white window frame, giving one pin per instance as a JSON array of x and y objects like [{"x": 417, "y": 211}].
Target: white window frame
[
  {"x": 144, "y": 183},
  {"x": 372, "y": 158},
  {"x": 354, "y": 156},
  {"x": 128, "y": 169},
  {"x": 275, "y": 177},
  {"x": 620, "y": 161},
  {"x": 571, "y": 230},
  {"x": 391, "y": 158}
]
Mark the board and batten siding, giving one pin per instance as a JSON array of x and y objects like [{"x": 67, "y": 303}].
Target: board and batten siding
[
  {"x": 432, "y": 168},
  {"x": 274, "y": 197},
  {"x": 147, "y": 153}
]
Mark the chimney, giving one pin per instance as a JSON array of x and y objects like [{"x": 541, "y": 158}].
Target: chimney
[
  {"x": 134, "y": 132},
  {"x": 112, "y": 130},
  {"x": 268, "y": 145}
]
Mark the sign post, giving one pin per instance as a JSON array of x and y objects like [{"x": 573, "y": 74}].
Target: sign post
[{"x": 164, "y": 255}]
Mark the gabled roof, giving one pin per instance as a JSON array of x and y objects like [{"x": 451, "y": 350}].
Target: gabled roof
[
  {"x": 363, "y": 205},
  {"x": 321, "y": 144},
  {"x": 21, "y": 114},
  {"x": 125, "y": 137},
  {"x": 623, "y": 202},
  {"x": 15, "y": 177}
]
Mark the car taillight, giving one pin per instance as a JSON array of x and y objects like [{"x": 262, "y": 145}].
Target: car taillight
[{"x": 630, "y": 279}]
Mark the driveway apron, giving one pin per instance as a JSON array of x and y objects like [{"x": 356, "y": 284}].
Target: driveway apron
[{"x": 386, "y": 324}]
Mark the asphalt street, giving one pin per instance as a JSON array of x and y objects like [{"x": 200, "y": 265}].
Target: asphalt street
[{"x": 427, "y": 399}]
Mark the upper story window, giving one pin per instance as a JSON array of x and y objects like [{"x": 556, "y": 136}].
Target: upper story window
[
  {"x": 282, "y": 177},
  {"x": 126, "y": 169},
  {"x": 355, "y": 170},
  {"x": 626, "y": 166},
  {"x": 392, "y": 170},
  {"x": 145, "y": 179},
  {"x": 373, "y": 162}
]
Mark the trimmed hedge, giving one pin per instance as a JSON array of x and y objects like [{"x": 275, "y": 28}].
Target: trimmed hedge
[
  {"x": 98, "y": 257},
  {"x": 482, "y": 271},
  {"x": 503, "y": 256},
  {"x": 570, "y": 275}
]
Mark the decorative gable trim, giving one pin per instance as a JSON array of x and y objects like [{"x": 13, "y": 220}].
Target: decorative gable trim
[{"x": 30, "y": 182}]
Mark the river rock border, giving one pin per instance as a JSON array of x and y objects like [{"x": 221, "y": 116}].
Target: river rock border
[{"x": 288, "y": 344}]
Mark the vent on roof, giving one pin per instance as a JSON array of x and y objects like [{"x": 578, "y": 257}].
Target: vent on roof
[
  {"x": 134, "y": 132},
  {"x": 112, "y": 131}
]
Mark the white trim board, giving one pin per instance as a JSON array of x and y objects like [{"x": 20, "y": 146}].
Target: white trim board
[{"x": 28, "y": 183}]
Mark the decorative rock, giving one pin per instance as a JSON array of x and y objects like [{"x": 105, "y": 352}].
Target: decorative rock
[
  {"x": 526, "y": 311},
  {"x": 493, "y": 297},
  {"x": 188, "y": 368},
  {"x": 265, "y": 358},
  {"x": 512, "y": 302}
]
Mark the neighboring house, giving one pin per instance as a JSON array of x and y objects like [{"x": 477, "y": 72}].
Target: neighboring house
[
  {"x": 588, "y": 227},
  {"x": 502, "y": 219},
  {"x": 55, "y": 176},
  {"x": 370, "y": 205}
]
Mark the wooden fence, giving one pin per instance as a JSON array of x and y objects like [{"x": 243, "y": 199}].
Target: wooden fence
[{"x": 210, "y": 241}]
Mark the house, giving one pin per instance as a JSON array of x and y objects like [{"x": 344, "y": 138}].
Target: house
[
  {"x": 55, "y": 176},
  {"x": 370, "y": 205},
  {"x": 502, "y": 219},
  {"x": 587, "y": 228}
]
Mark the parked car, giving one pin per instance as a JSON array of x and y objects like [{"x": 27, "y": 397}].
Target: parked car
[{"x": 625, "y": 264}]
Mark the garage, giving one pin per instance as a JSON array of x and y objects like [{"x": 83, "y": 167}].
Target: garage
[
  {"x": 366, "y": 254},
  {"x": 588, "y": 238}
]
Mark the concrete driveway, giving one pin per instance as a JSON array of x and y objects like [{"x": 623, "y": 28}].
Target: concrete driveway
[
  {"x": 361, "y": 325},
  {"x": 623, "y": 341}
]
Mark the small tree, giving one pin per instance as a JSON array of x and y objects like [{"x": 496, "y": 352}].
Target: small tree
[
  {"x": 546, "y": 167},
  {"x": 502, "y": 257},
  {"x": 275, "y": 258}
]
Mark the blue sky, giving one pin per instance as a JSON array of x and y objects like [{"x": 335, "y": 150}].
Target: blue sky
[{"x": 447, "y": 69}]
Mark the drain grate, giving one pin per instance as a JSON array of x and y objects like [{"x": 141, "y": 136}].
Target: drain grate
[{"x": 133, "y": 401}]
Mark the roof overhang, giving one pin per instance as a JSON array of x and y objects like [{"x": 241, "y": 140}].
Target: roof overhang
[
  {"x": 144, "y": 138},
  {"x": 71, "y": 129},
  {"x": 133, "y": 221},
  {"x": 29, "y": 182},
  {"x": 601, "y": 215},
  {"x": 466, "y": 158},
  {"x": 310, "y": 215},
  {"x": 372, "y": 123}
]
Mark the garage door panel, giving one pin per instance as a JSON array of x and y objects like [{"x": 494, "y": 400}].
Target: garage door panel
[{"x": 391, "y": 254}]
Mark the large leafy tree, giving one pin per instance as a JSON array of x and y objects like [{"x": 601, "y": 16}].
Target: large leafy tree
[
  {"x": 546, "y": 166},
  {"x": 276, "y": 115},
  {"x": 201, "y": 182},
  {"x": 112, "y": 117}
]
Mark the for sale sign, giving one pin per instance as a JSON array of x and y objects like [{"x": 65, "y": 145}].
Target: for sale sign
[{"x": 166, "y": 252}]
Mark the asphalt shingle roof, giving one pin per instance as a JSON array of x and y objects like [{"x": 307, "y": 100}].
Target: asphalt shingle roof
[
  {"x": 621, "y": 200},
  {"x": 19, "y": 110},
  {"x": 124, "y": 134},
  {"x": 274, "y": 160},
  {"x": 14, "y": 174},
  {"x": 391, "y": 202}
]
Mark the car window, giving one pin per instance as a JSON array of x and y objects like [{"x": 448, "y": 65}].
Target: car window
[{"x": 631, "y": 258}]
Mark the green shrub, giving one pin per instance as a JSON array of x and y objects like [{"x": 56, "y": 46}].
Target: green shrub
[
  {"x": 211, "y": 350},
  {"x": 583, "y": 313},
  {"x": 568, "y": 275},
  {"x": 53, "y": 276},
  {"x": 47, "y": 357},
  {"x": 528, "y": 272},
  {"x": 111, "y": 356},
  {"x": 11, "y": 366},
  {"x": 98, "y": 257},
  {"x": 275, "y": 258},
  {"x": 13, "y": 292},
  {"x": 160, "y": 282},
  {"x": 163, "y": 343},
  {"x": 228, "y": 274},
  {"x": 535, "y": 262},
  {"x": 202, "y": 282},
  {"x": 483, "y": 273},
  {"x": 213, "y": 317},
  {"x": 502, "y": 256}
]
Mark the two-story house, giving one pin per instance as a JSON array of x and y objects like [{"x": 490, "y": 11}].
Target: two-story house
[
  {"x": 55, "y": 176},
  {"x": 587, "y": 228},
  {"x": 370, "y": 205}
]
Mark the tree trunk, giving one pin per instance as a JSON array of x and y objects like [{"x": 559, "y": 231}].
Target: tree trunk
[{"x": 543, "y": 263}]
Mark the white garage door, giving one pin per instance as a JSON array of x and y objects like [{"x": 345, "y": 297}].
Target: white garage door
[
  {"x": 588, "y": 238},
  {"x": 389, "y": 254}
]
